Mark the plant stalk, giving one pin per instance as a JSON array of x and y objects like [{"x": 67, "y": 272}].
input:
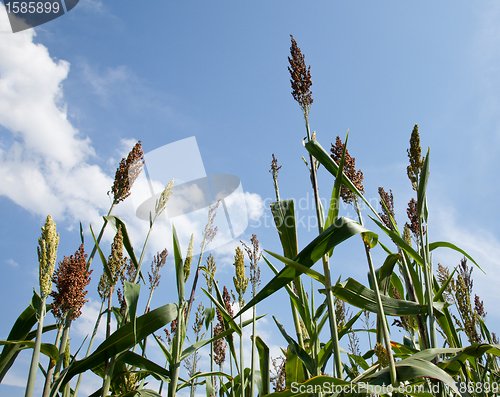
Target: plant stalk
[
  {"x": 381, "y": 315},
  {"x": 50, "y": 366},
  {"x": 326, "y": 267},
  {"x": 30, "y": 386},
  {"x": 89, "y": 348}
]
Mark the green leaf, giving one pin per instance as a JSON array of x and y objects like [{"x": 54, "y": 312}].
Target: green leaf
[
  {"x": 209, "y": 316},
  {"x": 413, "y": 368},
  {"x": 123, "y": 339},
  {"x": 131, "y": 292},
  {"x": 198, "y": 345},
  {"x": 422, "y": 187},
  {"x": 301, "y": 268},
  {"x": 358, "y": 295},
  {"x": 284, "y": 218},
  {"x": 439, "y": 295},
  {"x": 294, "y": 368},
  {"x": 222, "y": 308},
  {"x": 402, "y": 351},
  {"x": 209, "y": 387},
  {"x": 296, "y": 349},
  {"x": 333, "y": 212},
  {"x": 164, "y": 349},
  {"x": 340, "y": 231},
  {"x": 297, "y": 302},
  {"x": 385, "y": 273},
  {"x": 141, "y": 393},
  {"x": 331, "y": 166},
  {"x": 46, "y": 348},
  {"x": 264, "y": 365},
  {"x": 179, "y": 266},
  {"x": 103, "y": 258},
  {"x": 202, "y": 375},
  {"x": 20, "y": 331},
  {"x": 453, "y": 365},
  {"x": 141, "y": 362},
  {"x": 400, "y": 242},
  {"x": 444, "y": 244}
]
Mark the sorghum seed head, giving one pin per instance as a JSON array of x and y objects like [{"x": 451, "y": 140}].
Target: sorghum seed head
[
  {"x": 416, "y": 162},
  {"x": 161, "y": 203},
  {"x": 116, "y": 265},
  {"x": 211, "y": 267},
  {"x": 189, "y": 259},
  {"x": 158, "y": 262},
  {"x": 240, "y": 281},
  {"x": 356, "y": 177},
  {"x": 381, "y": 353},
  {"x": 300, "y": 78},
  {"x": 126, "y": 174},
  {"x": 47, "y": 254},
  {"x": 71, "y": 278},
  {"x": 386, "y": 199}
]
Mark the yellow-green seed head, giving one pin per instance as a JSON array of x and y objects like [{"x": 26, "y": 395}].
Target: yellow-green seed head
[
  {"x": 407, "y": 234},
  {"x": 240, "y": 281},
  {"x": 381, "y": 353},
  {"x": 416, "y": 162},
  {"x": 116, "y": 265},
  {"x": 47, "y": 254},
  {"x": 162, "y": 201},
  {"x": 189, "y": 259}
]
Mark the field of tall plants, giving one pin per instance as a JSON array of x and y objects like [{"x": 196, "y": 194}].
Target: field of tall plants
[{"x": 444, "y": 348}]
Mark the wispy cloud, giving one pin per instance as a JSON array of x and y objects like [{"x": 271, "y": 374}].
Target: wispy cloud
[
  {"x": 482, "y": 245},
  {"x": 12, "y": 262}
]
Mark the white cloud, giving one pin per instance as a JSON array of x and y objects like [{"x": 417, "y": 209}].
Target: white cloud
[
  {"x": 481, "y": 245},
  {"x": 46, "y": 166},
  {"x": 12, "y": 262},
  {"x": 255, "y": 206},
  {"x": 44, "y": 162}
]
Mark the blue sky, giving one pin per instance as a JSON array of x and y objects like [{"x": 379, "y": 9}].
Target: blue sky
[{"x": 77, "y": 92}]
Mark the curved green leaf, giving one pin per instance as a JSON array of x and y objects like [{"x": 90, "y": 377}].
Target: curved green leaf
[
  {"x": 358, "y": 295},
  {"x": 131, "y": 292},
  {"x": 444, "y": 244},
  {"x": 114, "y": 221},
  {"x": 340, "y": 231},
  {"x": 143, "y": 363},
  {"x": 412, "y": 368},
  {"x": 179, "y": 266},
  {"x": 333, "y": 212},
  {"x": 296, "y": 349},
  {"x": 399, "y": 241},
  {"x": 46, "y": 348},
  {"x": 301, "y": 268},
  {"x": 20, "y": 331},
  {"x": 123, "y": 339},
  {"x": 422, "y": 187}
]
